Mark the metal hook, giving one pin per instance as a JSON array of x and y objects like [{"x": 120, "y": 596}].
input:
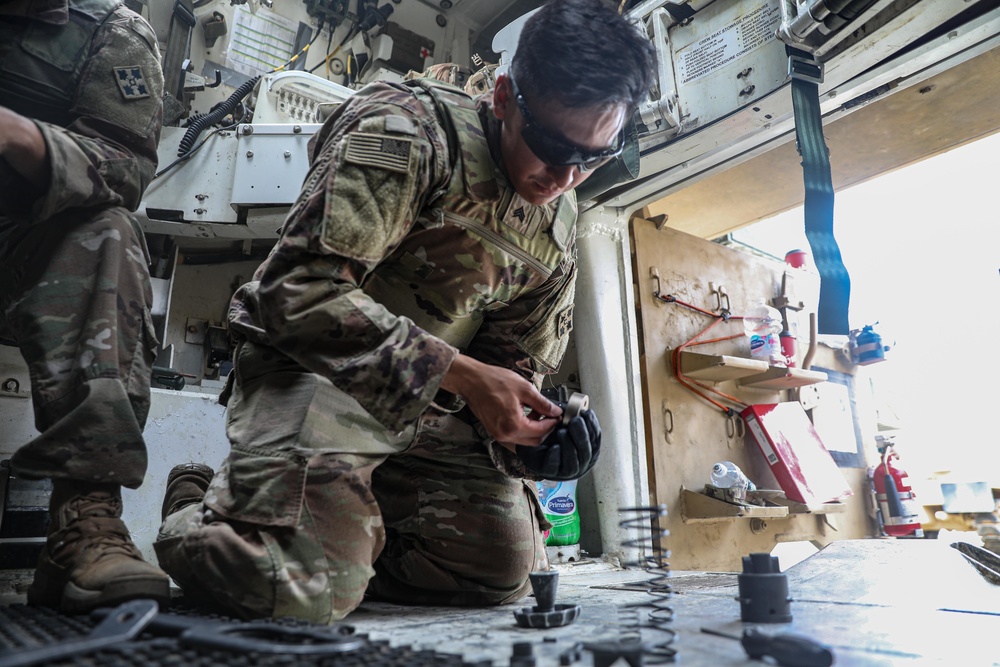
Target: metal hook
[
  {"x": 721, "y": 299},
  {"x": 668, "y": 423},
  {"x": 735, "y": 427}
]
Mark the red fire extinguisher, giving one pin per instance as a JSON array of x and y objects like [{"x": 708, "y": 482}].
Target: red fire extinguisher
[{"x": 899, "y": 510}]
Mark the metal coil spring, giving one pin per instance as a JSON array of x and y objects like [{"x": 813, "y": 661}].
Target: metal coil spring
[{"x": 650, "y": 620}]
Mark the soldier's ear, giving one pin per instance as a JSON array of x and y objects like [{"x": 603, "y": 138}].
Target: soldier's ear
[{"x": 503, "y": 97}]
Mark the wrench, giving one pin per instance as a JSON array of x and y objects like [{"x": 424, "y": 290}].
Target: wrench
[
  {"x": 124, "y": 622},
  {"x": 256, "y": 636}
]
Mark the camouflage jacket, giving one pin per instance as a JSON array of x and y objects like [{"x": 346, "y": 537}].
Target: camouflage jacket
[
  {"x": 88, "y": 72},
  {"x": 408, "y": 245}
]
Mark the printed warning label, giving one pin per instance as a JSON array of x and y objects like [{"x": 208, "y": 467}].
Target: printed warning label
[
  {"x": 749, "y": 32},
  {"x": 762, "y": 441}
]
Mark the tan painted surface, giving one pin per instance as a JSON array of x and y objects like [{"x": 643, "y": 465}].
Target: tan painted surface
[
  {"x": 950, "y": 109},
  {"x": 692, "y": 270}
]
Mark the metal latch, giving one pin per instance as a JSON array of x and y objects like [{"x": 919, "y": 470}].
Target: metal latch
[{"x": 805, "y": 69}]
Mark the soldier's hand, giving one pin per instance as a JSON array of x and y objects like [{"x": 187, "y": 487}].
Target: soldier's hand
[
  {"x": 509, "y": 407},
  {"x": 569, "y": 452}
]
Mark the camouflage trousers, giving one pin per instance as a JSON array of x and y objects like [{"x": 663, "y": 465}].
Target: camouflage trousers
[
  {"x": 317, "y": 506},
  {"x": 75, "y": 297}
]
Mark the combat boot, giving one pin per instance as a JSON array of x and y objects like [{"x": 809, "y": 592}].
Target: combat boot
[
  {"x": 186, "y": 484},
  {"x": 89, "y": 559}
]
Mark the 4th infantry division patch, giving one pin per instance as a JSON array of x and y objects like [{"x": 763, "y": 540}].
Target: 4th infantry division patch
[{"x": 131, "y": 82}]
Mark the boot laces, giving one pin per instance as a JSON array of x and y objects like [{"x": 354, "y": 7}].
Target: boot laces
[{"x": 95, "y": 524}]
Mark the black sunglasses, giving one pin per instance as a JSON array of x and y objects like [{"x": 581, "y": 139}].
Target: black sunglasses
[{"x": 556, "y": 151}]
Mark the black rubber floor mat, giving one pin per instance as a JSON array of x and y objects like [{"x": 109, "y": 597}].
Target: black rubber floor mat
[{"x": 23, "y": 628}]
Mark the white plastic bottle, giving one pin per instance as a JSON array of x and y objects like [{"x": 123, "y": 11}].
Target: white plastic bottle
[
  {"x": 762, "y": 324},
  {"x": 727, "y": 475}
]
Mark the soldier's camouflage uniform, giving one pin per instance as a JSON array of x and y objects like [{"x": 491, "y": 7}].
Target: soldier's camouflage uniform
[
  {"x": 74, "y": 283},
  {"x": 348, "y": 463}
]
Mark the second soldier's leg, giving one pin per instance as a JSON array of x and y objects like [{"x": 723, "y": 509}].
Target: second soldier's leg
[
  {"x": 75, "y": 297},
  {"x": 458, "y": 531}
]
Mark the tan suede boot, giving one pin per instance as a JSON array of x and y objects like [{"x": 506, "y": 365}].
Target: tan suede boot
[
  {"x": 89, "y": 559},
  {"x": 186, "y": 484}
]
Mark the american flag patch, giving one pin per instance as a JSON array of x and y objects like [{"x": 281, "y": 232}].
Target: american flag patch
[{"x": 377, "y": 150}]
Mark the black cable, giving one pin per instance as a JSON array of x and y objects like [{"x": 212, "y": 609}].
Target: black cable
[
  {"x": 194, "y": 150},
  {"x": 200, "y": 123},
  {"x": 351, "y": 32}
]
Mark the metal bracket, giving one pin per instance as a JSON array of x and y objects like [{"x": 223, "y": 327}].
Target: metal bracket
[{"x": 805, "y": 69}]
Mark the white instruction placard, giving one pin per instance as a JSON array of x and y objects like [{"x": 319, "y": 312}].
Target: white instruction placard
[
  {"x": 260, "y": 41},
  {"x": 747, "y": 33}
]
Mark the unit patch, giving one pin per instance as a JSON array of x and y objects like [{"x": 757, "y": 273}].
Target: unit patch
[
  {"x": 131, "y": 82},
  {"x": 564, "y": 321},
  {"x": 376, "y": 150}
]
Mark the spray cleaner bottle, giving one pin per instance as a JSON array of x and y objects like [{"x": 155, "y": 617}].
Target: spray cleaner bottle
[{"x": 559, "y": 504}]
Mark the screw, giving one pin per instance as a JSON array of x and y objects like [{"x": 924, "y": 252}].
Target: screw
[
  {"x": 288, "y": 155},
  {"x": 745, "y": 73},
  {"x": 296, "y": 129},
  {"x": 200, "y": 211},
  {"x": 201, "y": 197},
  {"x": 11, "y": 385},
  {"x": 748, "y": 90},
  {"x": 248, "y": 129},
  {"x": 249, "y": 155},
  {"x": 757, "y": 525}
]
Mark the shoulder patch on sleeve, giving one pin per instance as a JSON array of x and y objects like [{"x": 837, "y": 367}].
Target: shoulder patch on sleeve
[
  {"x": 131, "y": 82},
  {"x": 400, "y": 125},
  {"x": 375, "y": 150}
]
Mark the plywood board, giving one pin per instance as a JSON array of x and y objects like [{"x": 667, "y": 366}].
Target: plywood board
[{"x": 687, "y": 434}]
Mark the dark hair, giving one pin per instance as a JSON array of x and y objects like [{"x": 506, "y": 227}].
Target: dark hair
[{"x": 583, "y": 53}]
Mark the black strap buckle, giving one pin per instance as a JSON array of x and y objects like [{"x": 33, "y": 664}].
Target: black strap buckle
[{"x": 805, "y": 69}]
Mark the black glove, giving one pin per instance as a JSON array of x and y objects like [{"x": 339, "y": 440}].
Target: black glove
[{"x": 568, "y": 453}]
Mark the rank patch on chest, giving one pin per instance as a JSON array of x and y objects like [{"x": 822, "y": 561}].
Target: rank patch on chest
[
  {"x": 522, "y": 217},
  {"x": 564, "y": 321},
  {"x": 131, "y": 82},
  {"x": 376, "y": 150}
]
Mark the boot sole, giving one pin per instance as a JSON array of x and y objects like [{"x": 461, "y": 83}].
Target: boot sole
[{"x": 77, "y": 600}]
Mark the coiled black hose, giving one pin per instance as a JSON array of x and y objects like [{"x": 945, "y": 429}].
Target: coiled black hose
[{"x": 199, "y": 124}]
